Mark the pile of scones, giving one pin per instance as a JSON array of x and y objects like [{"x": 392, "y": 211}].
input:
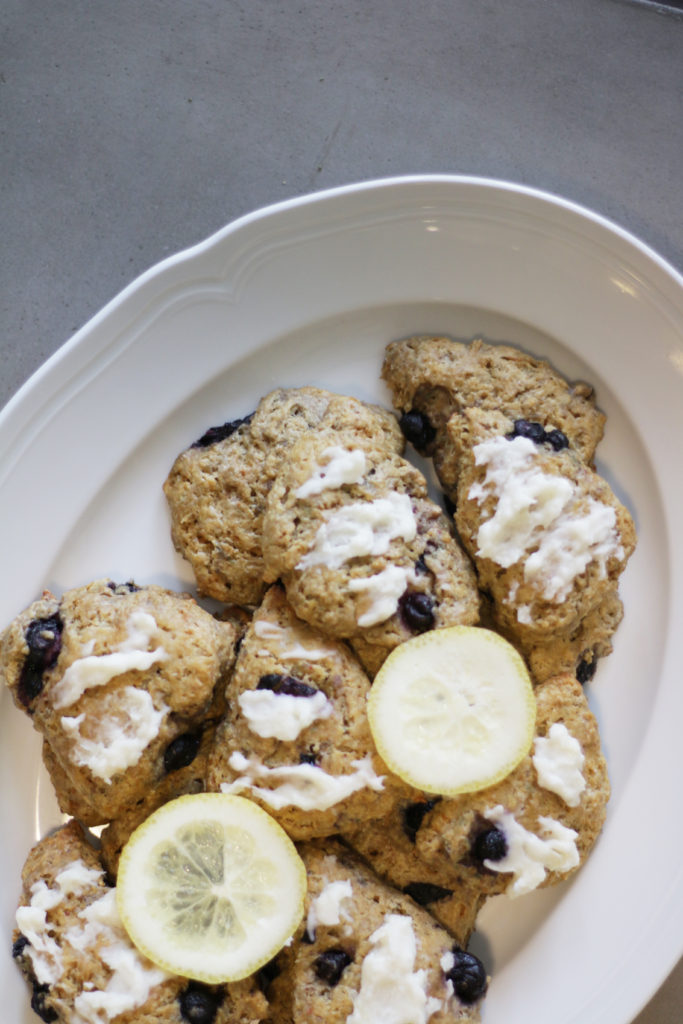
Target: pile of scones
[{"x": 141, "y": 695}]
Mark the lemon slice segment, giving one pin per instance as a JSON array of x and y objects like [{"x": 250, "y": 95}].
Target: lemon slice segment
[
  {"x": 453, "y": 711},
  {"x": 210, "y": 887}
]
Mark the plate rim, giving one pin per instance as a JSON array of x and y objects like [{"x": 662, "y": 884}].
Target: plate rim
[
  {"x": 244, "y": 221},
  {"x": 157, "y": 270}
]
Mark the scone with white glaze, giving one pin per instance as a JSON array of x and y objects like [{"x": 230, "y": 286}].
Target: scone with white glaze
[
  {"x": 547, "y": 534},
  {"x": 538, "y": 825},
  {"x": 73, "y": 950},
  {"x": 372, "y": 954},
  {"x": 434, "y": 378},
  {"x": 295, "y": 737},
  {"x": 361, "y": 549},
  {"x": 216, "y": 490},
  {"x": 121, "y": 682}
]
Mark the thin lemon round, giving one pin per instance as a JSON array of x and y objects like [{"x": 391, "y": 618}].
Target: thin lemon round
[
  {"x": 453, "y": 711},
  {"x": 210, "y": 887}
]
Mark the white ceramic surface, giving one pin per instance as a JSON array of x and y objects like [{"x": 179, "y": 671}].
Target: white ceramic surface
[{"x": 309, "y": 292}]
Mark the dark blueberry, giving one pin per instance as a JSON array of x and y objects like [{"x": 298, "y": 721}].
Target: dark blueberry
[
  {"x": 417, "y": 429},
  {"x": 585, "y": 670},
  {"x": 557, "y": 440},
  {"x": 421, "y": 566},
  {"x": 308, "y": 758},
  {"x": 425, "y": 893},
  {"x": 215, "y": 434},
  {"x": 123, "y": 588},
  {"x": 267, "y": 974},
  {"x": 468, "y": 976},
  {"x": 331, "y": 964},
  {"x": 40, "y": 994},
  {"x": 19, "y": 946},
  {"x": 527, "y": 428},
  {"x": 198, "y": 1004},
  {"x": 417, "y": 611},
  {"x": 285, "y": 684},
  {"x": 44, "y": 641},
  {"x": 413, "y": 815},
  {"x": 181, "y": 751},
  {"x": 490, "y": 844}
]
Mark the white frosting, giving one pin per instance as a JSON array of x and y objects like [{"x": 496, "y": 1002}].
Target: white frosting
[
  {"x": 281, "y": 715},
  {"x": 76, "y": 877},
  {"x": 132, "y": 978},
  {"x": 536, "y": 514},
  {"x": 391, "y": 991},
  {"x": 98, "y": 669},
  {"x": 327, "y": 908},
  {"x": 43, "y": 951},
  {"x": 126, "y": 723},
  {"x": 301, "y": 785},
  {"x": 361, "y": 528},
  {"x": 287, "y": 647},
  {"x": 558, "y": 760},
  {"x": 384, "y": 590},
  {"x": 339, "y": 467},
  {"x": 529, "y": 856}
]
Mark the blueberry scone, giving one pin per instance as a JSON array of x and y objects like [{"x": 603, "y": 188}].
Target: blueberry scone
[
  {"x": 74, "y": 952},
  {"x": 547, "y": 534},
  {"x": 538, "y": 825},
  {"x": 370, "y": 953},
  {"x": 451, "y": 892},
  {"x": 433, "y": 378},
  {"x": 295, "y": 737},
  {"x": 216, "y": 490},
  {"x": 121, "y": 681},
  {"x": 361, "y": 549}
]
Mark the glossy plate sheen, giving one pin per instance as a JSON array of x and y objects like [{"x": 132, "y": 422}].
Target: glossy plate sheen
[{"x": 309, "y": 292}]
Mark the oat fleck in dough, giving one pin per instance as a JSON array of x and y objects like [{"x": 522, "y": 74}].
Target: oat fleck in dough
[
  {"x": 295, "y": 737},
  {"x": 216, "y": 490},
  {"x": 371, "y": 558},
  {"x": 73, "y": 950},
  {"x": 557, "y": 795},
  {"x": 433, "y": 378},
  {"x": 121, "y": 681},
  {"x": 372, "y": 954}
]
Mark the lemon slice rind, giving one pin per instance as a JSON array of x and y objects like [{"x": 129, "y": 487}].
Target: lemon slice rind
[
  {"x": 210, "y": 887},
  {"x": 453, "y": 710}
]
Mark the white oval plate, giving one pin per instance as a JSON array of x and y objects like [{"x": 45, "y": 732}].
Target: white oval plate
[{"x": 309, "y": 292}]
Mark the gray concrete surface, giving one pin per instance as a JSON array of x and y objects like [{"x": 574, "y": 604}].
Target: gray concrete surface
[{"x": 130, "y": 129}]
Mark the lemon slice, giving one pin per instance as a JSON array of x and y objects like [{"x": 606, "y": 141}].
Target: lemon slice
[
  {"x": 453, "y": 710},
  {"x": 210, "y": 887}
]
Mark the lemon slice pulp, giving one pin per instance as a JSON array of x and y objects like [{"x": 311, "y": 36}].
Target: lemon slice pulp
[
  {"x": 453, "y": 711},
  {"x": 210, "y": 887}
]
